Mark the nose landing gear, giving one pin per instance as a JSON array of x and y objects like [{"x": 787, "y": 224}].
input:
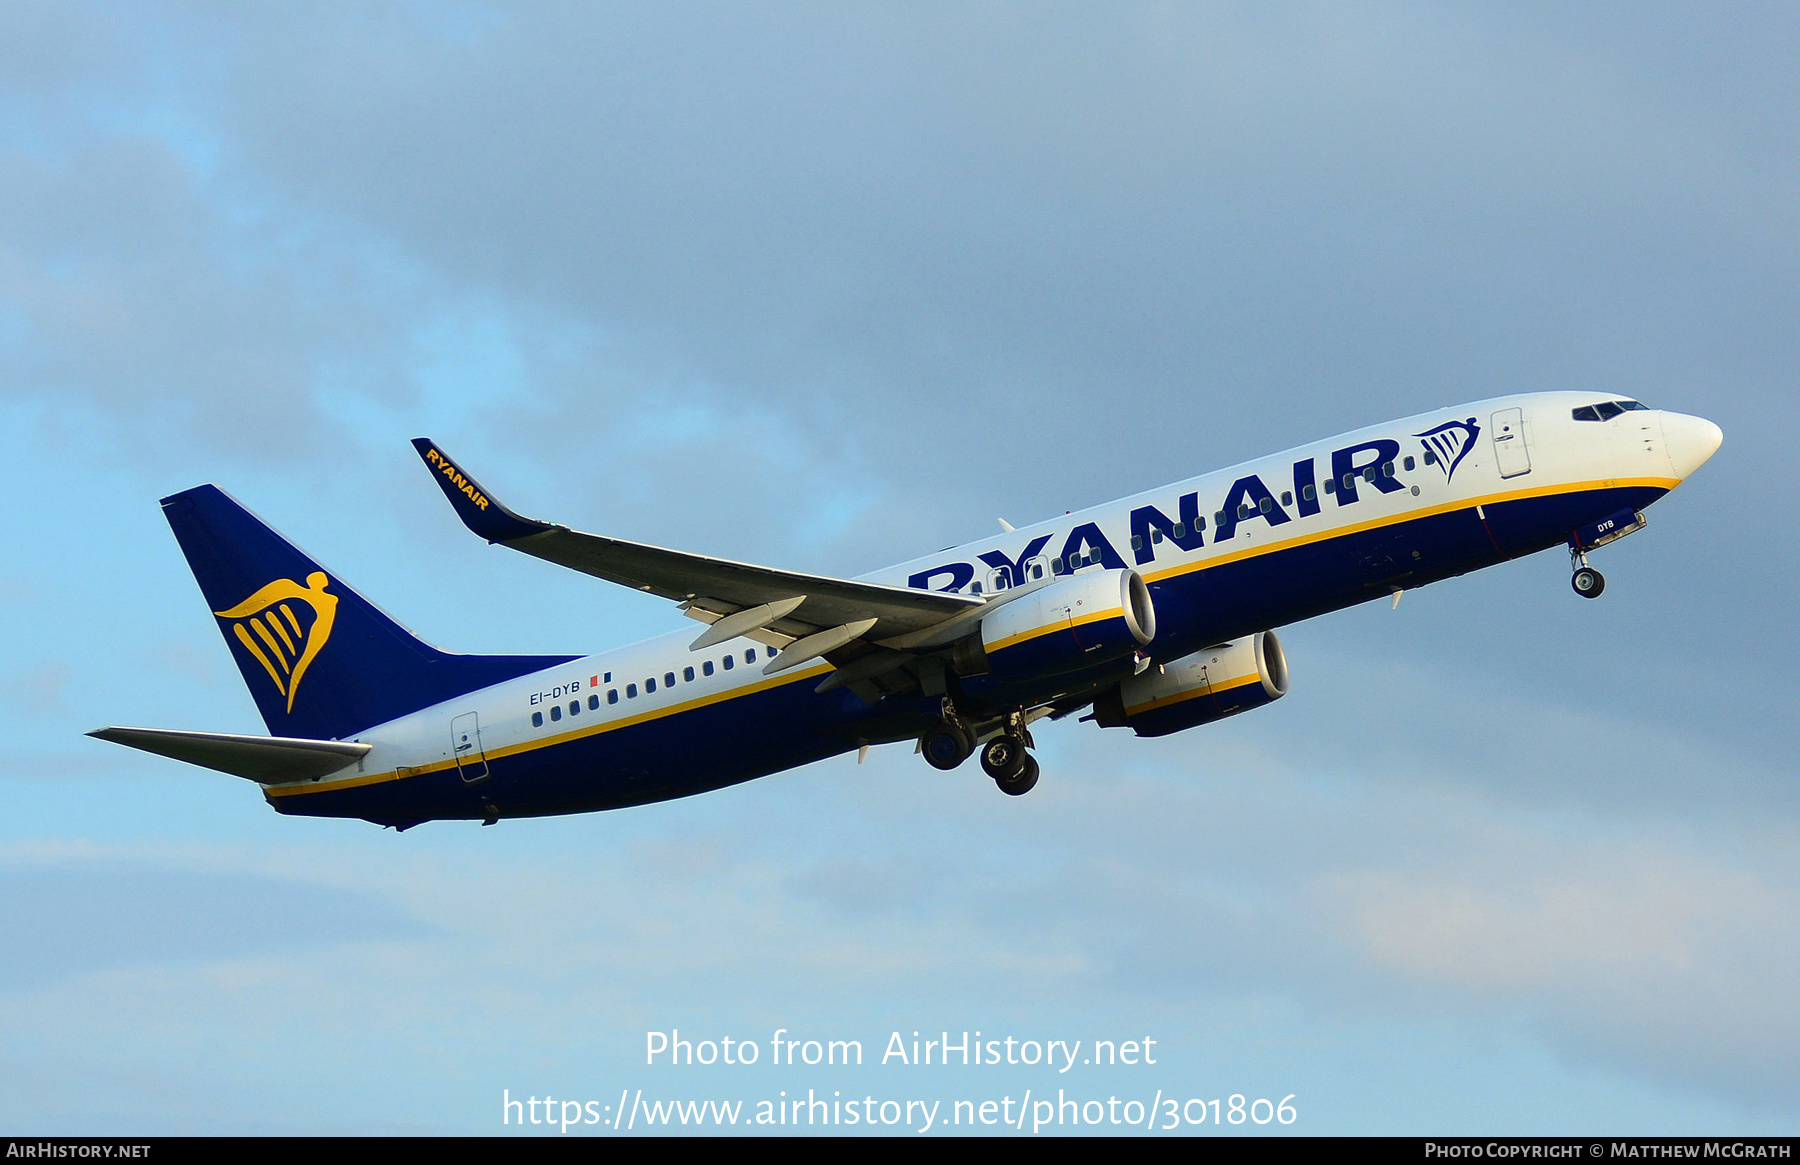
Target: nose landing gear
[{"x": 1587, "y": 581}]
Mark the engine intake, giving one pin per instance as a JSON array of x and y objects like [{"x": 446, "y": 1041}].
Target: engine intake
[
  {"x": 1076, "y": 622},
  {"x": 1199, "y": 688}
]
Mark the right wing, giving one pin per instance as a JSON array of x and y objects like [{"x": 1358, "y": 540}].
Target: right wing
[{"x": 810, "y": 616}]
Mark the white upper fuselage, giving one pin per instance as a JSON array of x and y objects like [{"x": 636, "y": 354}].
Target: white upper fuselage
[{"x": 1551, "y": 452}]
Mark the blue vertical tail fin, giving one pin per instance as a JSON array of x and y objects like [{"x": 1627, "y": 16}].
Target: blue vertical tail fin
[{"x": 321, "y": 661}]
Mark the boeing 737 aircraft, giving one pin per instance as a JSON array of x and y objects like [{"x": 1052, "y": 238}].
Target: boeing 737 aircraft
[{"x": 1153, "y": 613}]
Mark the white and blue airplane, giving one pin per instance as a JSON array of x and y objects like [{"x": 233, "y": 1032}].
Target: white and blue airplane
[{"x": 1152, "y": 613}]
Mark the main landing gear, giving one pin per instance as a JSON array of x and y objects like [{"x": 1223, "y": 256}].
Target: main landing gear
[
  {"x": 1587, "y": 581},
  {"x": 1014, "y": 770},
  {"x": 948, "y": 743}
]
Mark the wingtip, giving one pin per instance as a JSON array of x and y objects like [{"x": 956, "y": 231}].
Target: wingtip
[{"x": 478, "y": 509}]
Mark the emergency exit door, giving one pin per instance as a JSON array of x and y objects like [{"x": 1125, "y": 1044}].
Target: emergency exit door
[{"x": 465, "y": 746}]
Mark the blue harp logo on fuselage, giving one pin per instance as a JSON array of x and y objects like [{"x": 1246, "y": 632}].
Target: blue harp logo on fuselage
[
  {"x": 285, "y": 625},
  {"x": 1449, "y": 443}
]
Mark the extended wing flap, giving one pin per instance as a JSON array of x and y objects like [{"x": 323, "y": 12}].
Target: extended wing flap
[
  {"x": 715, "y": 585},
  {"x": 270, "y": 760}
]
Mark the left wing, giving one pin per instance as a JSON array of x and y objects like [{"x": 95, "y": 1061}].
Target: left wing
[{"x": 807, "y": 615}]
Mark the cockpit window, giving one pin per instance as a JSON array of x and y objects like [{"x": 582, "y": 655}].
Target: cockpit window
[{"x": 1605, "y": 411}]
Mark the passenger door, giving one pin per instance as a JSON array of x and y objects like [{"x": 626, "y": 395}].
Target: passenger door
[{"x": 1510, "y": 453}]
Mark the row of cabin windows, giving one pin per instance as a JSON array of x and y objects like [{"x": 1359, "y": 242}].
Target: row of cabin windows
[{"x": 631, "y": 690}]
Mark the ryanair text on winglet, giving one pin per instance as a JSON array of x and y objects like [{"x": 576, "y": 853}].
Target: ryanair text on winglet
[{"x": 462, "y": 483}]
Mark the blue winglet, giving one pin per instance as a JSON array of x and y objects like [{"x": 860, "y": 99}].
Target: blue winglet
[{"x": 474, "y": 505}]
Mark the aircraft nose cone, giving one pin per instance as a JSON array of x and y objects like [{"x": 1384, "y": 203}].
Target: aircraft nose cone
[{"x": 1690, "y": 441}]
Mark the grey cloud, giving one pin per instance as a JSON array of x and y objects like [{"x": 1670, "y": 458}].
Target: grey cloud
[{"x": 68, "y": 919}]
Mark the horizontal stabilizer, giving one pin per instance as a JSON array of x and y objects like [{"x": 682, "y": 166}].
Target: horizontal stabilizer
[{"x": 270, "y": 760}]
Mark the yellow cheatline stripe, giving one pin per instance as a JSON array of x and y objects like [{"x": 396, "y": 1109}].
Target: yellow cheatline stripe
[
  {"x": 1268, "y": 548},
  {"x": 550, "y": 741},
  {"x": 1178, "y": 697},
  {"x": 282, "y": 631},
  {"x": 1665, "y": 483},
  {"x": 250, "y": 646},
  {"x": 1060, "y": 625}
]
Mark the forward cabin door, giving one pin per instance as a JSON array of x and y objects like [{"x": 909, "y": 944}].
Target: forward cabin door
[
  {"x": 465, "y": 746},
  {"x": 1509, "y": 443}
]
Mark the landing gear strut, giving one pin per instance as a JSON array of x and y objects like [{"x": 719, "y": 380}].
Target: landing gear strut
[
  {"x": 1587, "y": 581},
  {"x": 948, "y": 743},
  {"x": 1005, "y": 758}
]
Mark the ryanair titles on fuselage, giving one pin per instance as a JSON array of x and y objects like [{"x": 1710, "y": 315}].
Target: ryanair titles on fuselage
[{"x": 1367, "y": 463}]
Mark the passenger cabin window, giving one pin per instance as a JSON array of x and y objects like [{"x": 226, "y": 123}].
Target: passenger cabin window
[
  {"x": 649, "y": 685},
  {"x": 1431, "y": 458},
  {"x": 631, "y": 691},
  {"x": 593, "y": 703},
  {"x": 687, "y": 673},
  {"x": 537, "y": 719},
  {"x": 668, "y": 679},
  {"x": 1287, "y": 497},
  {"x": 728, "y": 661},
  {"x": 1309, "y": 493},
  {"x": 1331, "y": 485},
  {"x": 1409, "y": 461},
  {"x": 612, "y": 695},
  {"x": 574, "y": 707},
  {"x": 706, "y": 668},
  {"x": 750, "y": 656},
  {"x": 556, "y": 712}
]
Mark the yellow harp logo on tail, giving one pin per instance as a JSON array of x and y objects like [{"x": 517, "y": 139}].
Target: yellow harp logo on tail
[{"x": 275, "y": 634}]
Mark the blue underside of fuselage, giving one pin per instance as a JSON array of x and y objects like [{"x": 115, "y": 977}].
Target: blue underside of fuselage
[{"x": 779, "y": 728}]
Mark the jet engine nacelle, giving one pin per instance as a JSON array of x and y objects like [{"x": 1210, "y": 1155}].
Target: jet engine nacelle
[
  {"x": 1199, "y": 688},
  {"x": 1074, "y": 623}
]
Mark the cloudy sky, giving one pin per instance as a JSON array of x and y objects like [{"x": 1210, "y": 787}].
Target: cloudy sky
[{"x": 827, "y": 287}]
